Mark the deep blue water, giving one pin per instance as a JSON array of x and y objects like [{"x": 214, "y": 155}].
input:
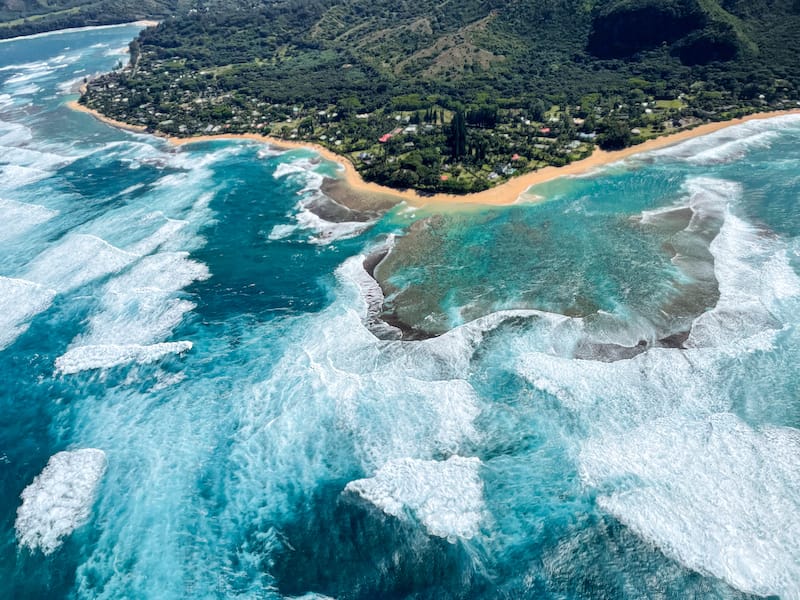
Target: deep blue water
[{"x": 195, "y": 404}]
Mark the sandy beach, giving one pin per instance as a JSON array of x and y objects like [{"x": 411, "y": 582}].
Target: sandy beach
[
  {"x": 73, "y": 104},
  {"x": 510, "y": 192}
]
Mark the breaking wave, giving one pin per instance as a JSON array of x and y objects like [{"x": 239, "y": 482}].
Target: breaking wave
[{"x": 60, "y": 499}]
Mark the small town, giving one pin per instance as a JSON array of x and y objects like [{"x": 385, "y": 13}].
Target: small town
[{"x": 419, "y": 142}]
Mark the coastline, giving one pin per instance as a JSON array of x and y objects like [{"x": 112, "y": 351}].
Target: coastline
[
  {"x": 507, "y": 193},
  {"x": 141, "y": 22},
  {"x": 74, "y": 105}
]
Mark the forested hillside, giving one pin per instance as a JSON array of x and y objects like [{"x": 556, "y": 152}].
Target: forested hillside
[
  {"x": 24, "y": 17},
  {"x": 348, "y": 72}
]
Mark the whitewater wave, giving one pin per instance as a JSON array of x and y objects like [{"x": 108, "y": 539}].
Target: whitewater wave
[
  {"x": 715, "y": 494},
  {"x": 729, "y": 144},
  {"x": 304, "y": 167},
  {"x": 16, "y": 176},
  {"x": 19, "y": 217},
  {"x": 34, "y": 159},
  {"x": 60, "y": 498},
  {"x": 107, "y": 356},
  {"x": 659, "y": 445},
  {"x": 308, "y": 211},
  {"x": 14, "y": 133},
  {"x": 75, "y": 261},
  {"x": 446, "y": 497},
  {"x": 324, "y": 232},
  {"x": 137, "y": 309},
  {"x": 20, "y": 301},
  {"x": 757, "y": 285}
]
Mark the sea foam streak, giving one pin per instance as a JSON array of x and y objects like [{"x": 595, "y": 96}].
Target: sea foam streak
[
  {"x": 730, "y": 144},
  {"x": 447, "y": 496},
  {"x": 59, "y": 500},
  {"x": 77, "y": 260},
  {"x": 106, "y": 356},
  {"x": 138, "y": 309}
]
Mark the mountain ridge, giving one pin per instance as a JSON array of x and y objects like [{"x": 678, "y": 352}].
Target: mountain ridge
[{"x": 442, "y": 96}]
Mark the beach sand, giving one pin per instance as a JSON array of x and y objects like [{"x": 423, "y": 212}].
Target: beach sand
[
  {"x": 73, "y": 104},
  {"x": 360, "y": 193}
]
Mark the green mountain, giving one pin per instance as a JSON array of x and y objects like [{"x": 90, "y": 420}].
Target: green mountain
[
  {"x": 499, "y": 46},
  {"x": 511, "y": 68}
]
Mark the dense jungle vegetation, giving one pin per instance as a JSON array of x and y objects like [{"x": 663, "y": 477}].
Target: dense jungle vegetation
[
  {"x": 25, "y": 17},
  {"x": 442, "y": 94}
]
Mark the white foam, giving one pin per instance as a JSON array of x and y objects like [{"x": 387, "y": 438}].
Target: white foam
[
  {"x": 70, "y": 85},
  {"x": 16, "y": 176},
  {"x": 86, "y": 358},
  {"x": 138, "y": 309},
  {"x": 617, "y": 396},
  {"x": 756, "y": 284},
  {"x": 163, "y": 234},
  {"x": 326, "y": 232},
  {"x": 446, "y": 497},
  {"x": 121, "y": 51},
  {"x": 30, "y": 75},
  {"x": 323, "y": 232},
  {"x": 14, "y": 134},
  {"x": 266, "y": 153},
  {"x": 352, "y": 271},
  {"x": 731, "y": 143},
  {"x": 36, "y": 159},
  {"x": 281, "y": 232},
  {"x": 19, "y": 217},
  {"x": 60, "y": 499},
  {"x": 701, "y": 194},
  {"x": 76, "y": 260},
  {"x": 714, "y": 494},
  {"x": 20, "y": 301},
  {"x": 26, "y": 90},
  {"x": 24, "y": 66},
  {"x": 296, "y": 167}
]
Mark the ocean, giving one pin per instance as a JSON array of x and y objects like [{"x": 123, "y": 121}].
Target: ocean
[{"x": 215, "y": 382}]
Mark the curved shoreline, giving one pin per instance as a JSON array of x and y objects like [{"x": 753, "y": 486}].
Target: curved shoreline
[
  {"x": 30, "y": 36},
  {"x": 507, "y": 193}
]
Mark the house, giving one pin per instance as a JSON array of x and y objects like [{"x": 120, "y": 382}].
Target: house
[
  {"x": 385, "y": 138},
  {"x": 544, "y": 131}
]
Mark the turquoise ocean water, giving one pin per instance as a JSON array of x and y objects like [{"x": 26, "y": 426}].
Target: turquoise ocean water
[{"x": 203, "y": 394}]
